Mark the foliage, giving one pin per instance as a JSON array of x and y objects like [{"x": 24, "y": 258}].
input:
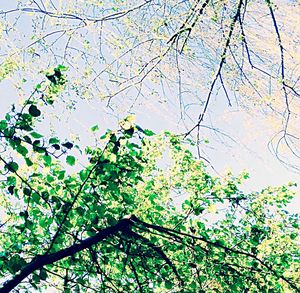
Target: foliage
[
  {"x": 137, "y": 211},
  {"x": 142, "y": 215}
]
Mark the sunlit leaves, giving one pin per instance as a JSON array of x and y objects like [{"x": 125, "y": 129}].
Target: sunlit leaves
[
  {"x": 157, "y": 179},
  {"x": 8, "y": 67}
]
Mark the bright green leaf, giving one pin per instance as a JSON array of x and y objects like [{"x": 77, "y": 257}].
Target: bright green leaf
[{"x": 70, "y": 160}]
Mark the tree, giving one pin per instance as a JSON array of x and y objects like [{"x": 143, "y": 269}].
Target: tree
[
  {"x": 181, "y": 53},
  {"x": 134, "y": 213}
]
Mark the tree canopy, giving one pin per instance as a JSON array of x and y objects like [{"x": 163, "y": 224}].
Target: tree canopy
[
  {"x": 137, "y": 209},
  {"x": 135, "y": 212}
]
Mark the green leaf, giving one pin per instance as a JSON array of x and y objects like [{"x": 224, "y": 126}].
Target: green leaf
[
  {"x": 15, "y": 142},
  {"x": 148, "y": 132},
  {"x": 27, "y": 139},
  {"x": 70, "y": 160},
  {"x": 91, "y": 233},
  {"x": 169, "y": 285},
  {"x": 80, "y": 211},
  {"x": 293, "y": 236},
  {"x": 62, "y": 67},
  {"x": 129, "y": 132},
  {"x": 61, "y": 175},
  {"x": 56, "y": 146},
  {"x": 54, "y": 140},
  {"x": 83, "y": 175},
  {"x": 36, "y": 279},
  {"x": 35, "y": 134},
  {"x": 11, "y": 180},
  {"x": 35, "y": 197},
  {"x": 47, "y": 159},
  {"x": 27, "y": 191},
  {"x": 95, "y": 128},
  {"x": 16, "y": 263},
  {"x": 50, "y": 178},
  {"x": 11, "y": 189},
  {"x": 34, "y": 111},
  {"x": 22, "y": 150},
  {"x": 57, "y": 73},
  {"x": 3, "y": 124},
  {"x": 43, "y": 222},
  {"x": 198, "y": 210},
  {"x": 28, "y": 162},
  {"x": 52, "y": 78}
]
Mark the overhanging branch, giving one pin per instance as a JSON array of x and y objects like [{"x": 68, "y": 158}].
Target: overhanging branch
[{"x": 43, "y": 260}]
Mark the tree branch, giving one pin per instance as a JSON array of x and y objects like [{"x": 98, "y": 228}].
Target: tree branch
[
  {"x": 218, "y": 72},
  {"x": 41, "y": 261},
  {"x": 174, "y": 233}
]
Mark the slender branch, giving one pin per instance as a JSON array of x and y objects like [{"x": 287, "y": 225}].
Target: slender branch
[
  {"x": 56, "y": 14},
  {"x": 159, "y": 251},
  {"x": 75, "y": 198},
  {"x": 222, "y": 62},
  {"x": 282, "y": 66},
  {"x": 219, "y": 70},
  {"x": 185, "y": 27},
  {"x": 174, "y": 233},
  {"x": 140, "y": 286}
]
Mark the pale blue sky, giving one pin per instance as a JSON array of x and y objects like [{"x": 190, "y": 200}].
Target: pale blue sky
[{"x": 249, "y": 153}]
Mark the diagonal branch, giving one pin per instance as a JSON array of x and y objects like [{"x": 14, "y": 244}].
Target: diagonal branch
[
  {"x": 159, "y": 251},
  {"x": 41, "y": 261},
  {"x": 222, "y": 62},
  {"x": 175, "y": 233},
  {"x": 219, "y": 70}
]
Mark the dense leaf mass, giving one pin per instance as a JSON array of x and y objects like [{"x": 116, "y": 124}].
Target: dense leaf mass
[{"x": 142, "y": 215}]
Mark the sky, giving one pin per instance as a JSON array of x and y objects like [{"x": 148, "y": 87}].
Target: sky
[
  {"x": 243, "y": 147},
  {"x": 249, "y": 151}
]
